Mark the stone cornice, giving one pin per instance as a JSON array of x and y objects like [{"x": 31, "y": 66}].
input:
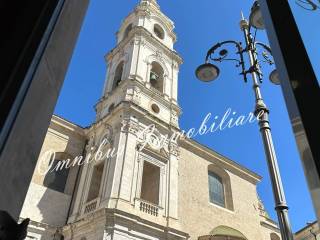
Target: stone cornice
[
  {"x": 154, "y": 12},
  {"x": 159, "y": 97},
  {"x": 142, "y": 111},
  {"x": 116, "y": 214},
  {"x": 112, "y": 216},
  {"x": 151, "y": 11},
  {"x": 59, "y": 121},
  {"x": 136, "y": 33},
  {"x": 209, "y": 154},
  {"x": 156, "y": 95},
  {"x": 270, "y": 224}
]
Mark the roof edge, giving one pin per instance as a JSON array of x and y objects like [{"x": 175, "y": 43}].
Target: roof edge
[{"x": 232, "y": 164}]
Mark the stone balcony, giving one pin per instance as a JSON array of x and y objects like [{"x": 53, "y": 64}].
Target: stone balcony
[
  {"x": 148, "y": 207},
  {"x": 91, "y": 206}
]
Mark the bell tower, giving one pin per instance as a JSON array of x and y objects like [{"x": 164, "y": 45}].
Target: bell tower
[
  {"x": 144, "y": 61},
  {"x": 139, "y": 181}
]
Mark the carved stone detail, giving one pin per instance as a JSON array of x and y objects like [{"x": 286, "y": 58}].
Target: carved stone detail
[
  {"x": 175, "y": 65},
  {"x": 137, "y": 95},
  {"x": 107, "y": 133},
  {"x": 133, "y": 94},
  {"x": 174, "y": 149},
  {"x": 159, "y": 55},
  {"x": 154, "y": 161},
  {"x": 130, "y": 126},
  {"x": 139, "y": 41},
  {"x": 174, "y": 118},
  {"x": 122, "y": 53}
]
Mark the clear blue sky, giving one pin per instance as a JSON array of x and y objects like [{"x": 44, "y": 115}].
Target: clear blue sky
[{"x": 199, "y": 24}]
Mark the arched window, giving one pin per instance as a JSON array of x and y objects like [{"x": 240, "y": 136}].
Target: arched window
[
  {"x": 127, "y": 31},
  {"x": 118, "y": 75},
  {"x": 216, "y": 190},
  {"x": 158, "y": 31},
  {"x": 156, "y": 76},
  {"x": 219, "y": 189},
  {"x": 223, "y": 233}
]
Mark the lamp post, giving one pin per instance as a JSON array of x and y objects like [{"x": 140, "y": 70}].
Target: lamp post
[{"x": 208, "y": 72}]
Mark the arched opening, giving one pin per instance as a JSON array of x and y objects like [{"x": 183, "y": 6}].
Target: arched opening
[
  {"x": 156, "y": 76},
  {"x": 274, "y": 236},
  {"x": 118, "y": 75},
  {"x": 223, "y": 233},
  {"x": 158, "y": 31},
  {"x": 127, "y": 31},
  {"x": 219, "y": 187},
  {"x": 216, "y": 190}
]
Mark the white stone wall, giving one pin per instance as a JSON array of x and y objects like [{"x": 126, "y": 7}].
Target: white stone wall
[
  {"x": 43, "y": 205},
  {"x": 198, "y": 216},
  {"x": 46, "y": 205}
]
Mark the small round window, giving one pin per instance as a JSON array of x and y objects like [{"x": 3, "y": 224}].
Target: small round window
[
  {"x": 158, "y": 31},
  {"x": 155, "y": 108}
]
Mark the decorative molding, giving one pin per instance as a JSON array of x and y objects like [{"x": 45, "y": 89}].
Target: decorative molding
[
  {"x": 150, "y": 41},
  {"x": 122, "y": 54},
  {"x": 153, "y": 140},
  {"x": 137, "y": 95},
  {"x": 159, "y": 55},
  {"x": 107, "y": 133},
  {"x": 133, "y": 93},
  {"x": 144, "y": 157},
  {"x": 175, "y": 66},
  {"x": 129, "y": 126},
  {"x": 174, "y": 118},
  {"x": 174, "y": 149},
  {"x": 138, "y": 41}
]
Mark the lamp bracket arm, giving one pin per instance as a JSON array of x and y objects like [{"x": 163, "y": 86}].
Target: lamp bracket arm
[
  {"x": 218, "y": 45},
  {"x": 223, "y": 53},
  {"x": 266, "y": 47}
]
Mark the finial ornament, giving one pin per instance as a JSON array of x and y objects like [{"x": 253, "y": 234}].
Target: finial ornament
[
  {"x": 242, "y": 16},
  {"x": 151, "y": 2},
  {"x": 243, "y": 22}
]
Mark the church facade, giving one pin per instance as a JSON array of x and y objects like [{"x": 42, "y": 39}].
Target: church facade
[{"x": 122, "y": 179}]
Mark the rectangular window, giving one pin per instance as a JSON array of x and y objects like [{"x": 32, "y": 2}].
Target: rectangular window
[
  {"x": 95, "y": 182},
  {"x": 150, "y": 183},
  {"x": 216, "y": 189}
]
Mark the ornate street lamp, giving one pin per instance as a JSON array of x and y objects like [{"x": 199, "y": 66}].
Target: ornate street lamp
[
  {"x": 208, "y": 72},
  {"x": 255, "y": 18}
]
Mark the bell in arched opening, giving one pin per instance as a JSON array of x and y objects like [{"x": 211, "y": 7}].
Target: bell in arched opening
[
  {"x": 156, "y": 76},
  {"x": 153, "y": 78}
]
